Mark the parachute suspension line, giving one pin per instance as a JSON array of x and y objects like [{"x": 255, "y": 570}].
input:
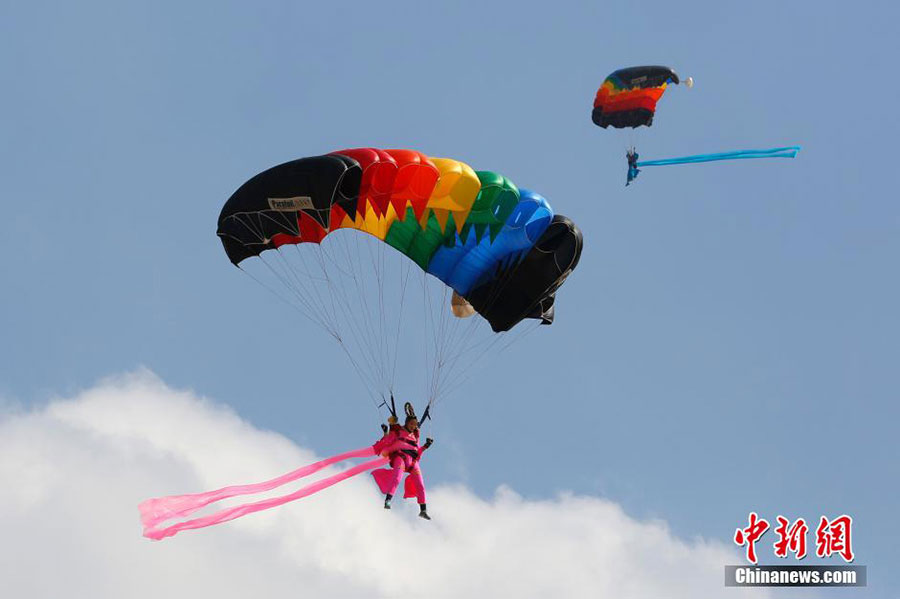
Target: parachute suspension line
[
  {"x": 447, "y": 331},
  {"x": 313, "y": 312},
  {"x": 338, "y": 335},
  {"x": 339, "y": 292},
  {"x": 456, "y": 350},
  {"x": 440, "y": 337},
  {"x": 313, "y": 319},
  {"x": 453, "y": 350},
  {"x": 510, "y": 338},
  {"x": 317, "y": 253},
  {"x": 475, "y": 355},
  {"x": 455, "y": 336},
  {"x": 402, "y": 263},
  {"x": 472, "y": 366},
  {"x": 365, "y": 326},
  {"x": 362, "y": 378},
  {"x": 449, "y": 337},
  {"x": 427, "y": 313},
  {"x": 441, "y": 330},
  {"x": 461, "y": 337},
  {"x": 456, "y": 344},
  {"x": 282, "y": 298},
  {"x": 362, "y": 333},
  {"x": 465, "y": 362},
  {"x": 378, "y": 269},
  {"x": 366, "y": 375},
  {"x": 305, "y": 305},
  {"x": 517, "y": 336},
  {"x": 351, "y": 315},
  {"x": 432, "y": 340},
  {"x": 435, "y": 341},
  {"x": 402, "y": 281},
  {"x": 381, "y": 348},
  {"x": 329, "y": 318},
  {"x": 288, "y": 276},
  {"x": 368, "y": 333},
  {"x": 319, "y": 307},
  {"x": 385, "y": 338},
  {"x": 375, "y": 345},
  {"x": 393, "y": 308},
  {"x": 630, "y": 137},
  {"x": 465, "y": 347},
  {"x": 334, "y": 263},
  {"x": 359, "y": 330}
]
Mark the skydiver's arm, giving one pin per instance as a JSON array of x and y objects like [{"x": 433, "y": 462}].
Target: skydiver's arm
[
  {"x": 428, "y": 443},
  {"x": 386, "y": 440}
]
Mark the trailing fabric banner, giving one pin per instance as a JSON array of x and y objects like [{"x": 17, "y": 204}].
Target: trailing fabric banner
[
  {"x": 786, "y": 152},
  {"x": 160, "y": 509}
]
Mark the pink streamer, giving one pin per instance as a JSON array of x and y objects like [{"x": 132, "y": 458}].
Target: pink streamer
[
  {"x": 157, "y": 510},
  {"x": 153, "y": 511}
]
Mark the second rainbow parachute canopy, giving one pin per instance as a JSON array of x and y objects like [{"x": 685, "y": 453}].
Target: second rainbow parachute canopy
[{"x": 628, "y": 97}]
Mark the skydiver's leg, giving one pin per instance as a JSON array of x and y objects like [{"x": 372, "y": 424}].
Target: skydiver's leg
[
  {"x": 397, "y": 467},
  {"x": 419, "y": 484},
  {"x": 416, "y": 475}
]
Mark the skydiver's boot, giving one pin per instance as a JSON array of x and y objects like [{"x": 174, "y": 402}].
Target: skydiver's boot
[
  {"x": 387, "y": 501},
  {"x": 423, "y": 513}
]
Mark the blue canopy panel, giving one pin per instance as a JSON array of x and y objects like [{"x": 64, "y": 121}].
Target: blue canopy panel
[{"x": 469, "y": 262}]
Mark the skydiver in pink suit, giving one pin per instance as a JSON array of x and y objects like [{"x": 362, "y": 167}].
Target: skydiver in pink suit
[{"x": 400, "y": 444}]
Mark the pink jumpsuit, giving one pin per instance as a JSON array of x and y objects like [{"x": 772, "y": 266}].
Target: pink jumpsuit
[{"x": 392, "y": 446}]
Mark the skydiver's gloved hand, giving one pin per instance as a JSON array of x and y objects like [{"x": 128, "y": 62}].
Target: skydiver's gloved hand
[
  {"x": 384, "y": 428},
  {"x": 428, "y": 442}
]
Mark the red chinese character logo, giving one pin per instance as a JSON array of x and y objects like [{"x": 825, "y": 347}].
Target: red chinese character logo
[
  {"x": 834, "y": 537},
  {"x": 748, "y": 536},
  {"x": 791, "y": 538}
]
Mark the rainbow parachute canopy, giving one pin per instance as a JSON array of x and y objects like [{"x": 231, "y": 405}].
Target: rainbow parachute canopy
[
  {"x": 628, "y": 97},
  {"x": 499, "y": 247}
]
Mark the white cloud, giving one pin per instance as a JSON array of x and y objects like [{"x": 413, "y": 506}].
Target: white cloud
[{"x": 73, "y": 472}]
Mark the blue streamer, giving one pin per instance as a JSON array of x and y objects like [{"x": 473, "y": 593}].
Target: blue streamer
[{"x": 786, "y": 152}]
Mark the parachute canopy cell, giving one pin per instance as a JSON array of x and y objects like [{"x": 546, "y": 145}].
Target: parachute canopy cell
[
  {"x": 500, "y": 248},
  {"x": 628, "y": 97}
]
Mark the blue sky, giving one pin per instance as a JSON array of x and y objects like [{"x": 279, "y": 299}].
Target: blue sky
[{"x": 728, "y": 343}]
